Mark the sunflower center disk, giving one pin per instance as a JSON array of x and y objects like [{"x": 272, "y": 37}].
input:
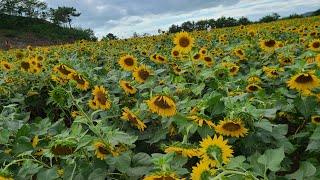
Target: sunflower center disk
[
  {"x": 129, "y": 61},
  {"x": 240, "y": 52},
  {"x": 208, "y": 59},
  {"x": 316, "y": 44},
  {"x": 132, "y": 119},
  {"x": 230, "y": 126},
  {"x": 61, "y": 150},
  {"x": 165, "y": 178},
  {"x": 175, "y": 53},
  {"x": 101, "y": 98},
  {"x": 253, "y": 88},
  {"x": 103, "y": 150},
  {"x": 129, "y": 86},
  {"x": 270, "y": 43},
  {"x": 63, "y": 70},
  {"x": 304, "y": 79},
  {"x": 317, "y": 119},
  {"x": 184, "y": 42},
  {"x": 160, "y": 102},
  {"x": 79, "y": 79},
  {"x": 143, "y": 74}
]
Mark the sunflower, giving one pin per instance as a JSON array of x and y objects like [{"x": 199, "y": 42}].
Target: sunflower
[
  {"x": 63, "y": 147},
  {"x": 175, "y": 52},
  {"x": 127, "y": 87},
  {"x": 6, "y": 66},
  {"x": 233, "y": 70},
  {"x": 253, "y": 79},
  {"x": 221, "y": 73},
  {"x": 253, "y": 87},
  {"x": 128, "y": 115},
  {"x": 93, "y": 104},
  {"x": 200, "y": 120},
  {"x": 185, "y": 150},
  {"x": 162, "y": 176},
  {"x": 163, "y": 105},
  {"x": 161, "y": 59},
  {"x": 286, "y": 60},
  {"x": 208, "y": 60},
  {"x": 315, "y": 45},
  {"x": 272, "y": 72},
  {"x": 215, "y": 148},
  {"x": 39, "y": 152},
  {"x": 82, "y": 84},
  {"x": 58, "y": 80},
  {"x": 100, "y": 97},
  {"x": 19, "y": 55},
  {"x": 202, "y": 171},
  {"x": 183, "y": 41},
  {"x": 128, "y": 62},
  {"x": 101, "y": 150},
  {"x": 315, "y": 120},
  {"x": 239, "y": 52},
  {"x": 40, "y": 58},
  {"x": 63, "y": 70},
  {"x": 25, "y": 66},
  {"x": 153, "y": 57},
  {"x": 231, "y": 128},
  {"x": 268, "y": 45},
  {"x": 303, "y": 81},
  {"x": 196, "y": 57},
  {"x": 141, "y": 73}
]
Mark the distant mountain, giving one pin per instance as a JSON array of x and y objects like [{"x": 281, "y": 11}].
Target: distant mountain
[{"x": 307, "y": 14}]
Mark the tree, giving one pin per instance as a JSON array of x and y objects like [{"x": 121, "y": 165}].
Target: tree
[
  {"x": 174, "y": 28},
  {"x": 316, "y": 13},
  {"x": 110, "y": 36},
  {"x": 244, "y": 21},
  {"x": 269, "y": 18},
  {"x": 63, "y": 15}
]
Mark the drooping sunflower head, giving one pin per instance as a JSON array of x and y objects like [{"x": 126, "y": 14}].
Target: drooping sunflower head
[
  {"x": 202, "y": 171},
  {"x": 62, "y": 147},
  {"x": 59, "y": 96},
  {"x": 196, "y": 57},
  {"x": 184, "y": 150},
  {"x": 19, "y": 55},
  {"x": 162, "y": 176},
  {"x": 132, "y": 118},
  {"x": 63, "y": 70},
  {"x": 161, "y": 58},
  {"x": 101, "y": 150},
  {"x": 254, "y": 79},
  {"x": 163, "y": 105},
  {"x": 82, "y": 83},
  {"x": 315, "y": 120},
  {"x": 128, "y": 62},
  {"x": 127, "y": 87},
  {"x": 303, "y": 81},
  {"x": 141, "y": 73},
  {"x": 233, "y": 70},
  {"x": 315, "y": 45},
  {"x": 253, "y": 87},
  {"x": 286, "y": 60},
  {"x": 183, "y": 41},
  {"x": 100, "y": 97},
  {"x": 231, "y": 128},
  {"x": 215, "y": 148},
  {"x": 25, "y": 66},
  {"x": 239, "y": 52}
]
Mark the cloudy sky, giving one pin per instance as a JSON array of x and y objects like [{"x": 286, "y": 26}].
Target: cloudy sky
[{"x": 123, "y": 17}]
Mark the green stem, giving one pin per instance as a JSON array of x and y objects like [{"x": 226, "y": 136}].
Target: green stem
[
  {"x": 225, "y": 172},
  {"x": 19, "y": 160}
]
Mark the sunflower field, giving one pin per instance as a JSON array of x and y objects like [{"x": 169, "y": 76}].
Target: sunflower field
[{"x": 230, "y": 103}]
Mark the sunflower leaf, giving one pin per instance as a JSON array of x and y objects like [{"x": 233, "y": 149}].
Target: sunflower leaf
[
  {"x": 272, "y": 158},
  {"x": 305, "y": 170},
  {"x": 316, "y": 134},
  {"x": 306, "y": 106}
]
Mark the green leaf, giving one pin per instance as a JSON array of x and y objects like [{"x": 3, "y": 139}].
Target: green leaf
[
  {"x": 272, "y": 158},
  {"x": 305, "y": 105},
  {"x": 316, "y": 134},
  {"x": 122, "y": 162},
  {"x": 48, "y": 174},
  {"x": 4, "y": 136},
  {"x": 141, "y": 159},
  {"x": 123, "y": 137},
  {"x": 215, "y": 105},
  {"x": 98, "y": 174},
  {"x": 84, "y": 141},
  {"x": 28, "y": 168},
  {"x": 264, "y": 124},
  {"x": 205, "y": 131},
  {"x": 23, "y": 131},
  {"x": 256, "y": 168},
  {"x": 138, "y": 171},
  {"x": 197, "y": 89},
  {"x": 313, "y": 146},
  {"x": 236, "y": 162},
  {"x": 22, "y": 144},
  {"x": 305, "y": 170}
]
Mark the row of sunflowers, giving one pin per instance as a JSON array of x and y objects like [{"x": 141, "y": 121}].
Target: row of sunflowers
[{"x": 230, "y": 103}]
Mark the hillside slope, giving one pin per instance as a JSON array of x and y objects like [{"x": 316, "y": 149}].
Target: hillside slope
[{"x": 19, "y": 32}]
